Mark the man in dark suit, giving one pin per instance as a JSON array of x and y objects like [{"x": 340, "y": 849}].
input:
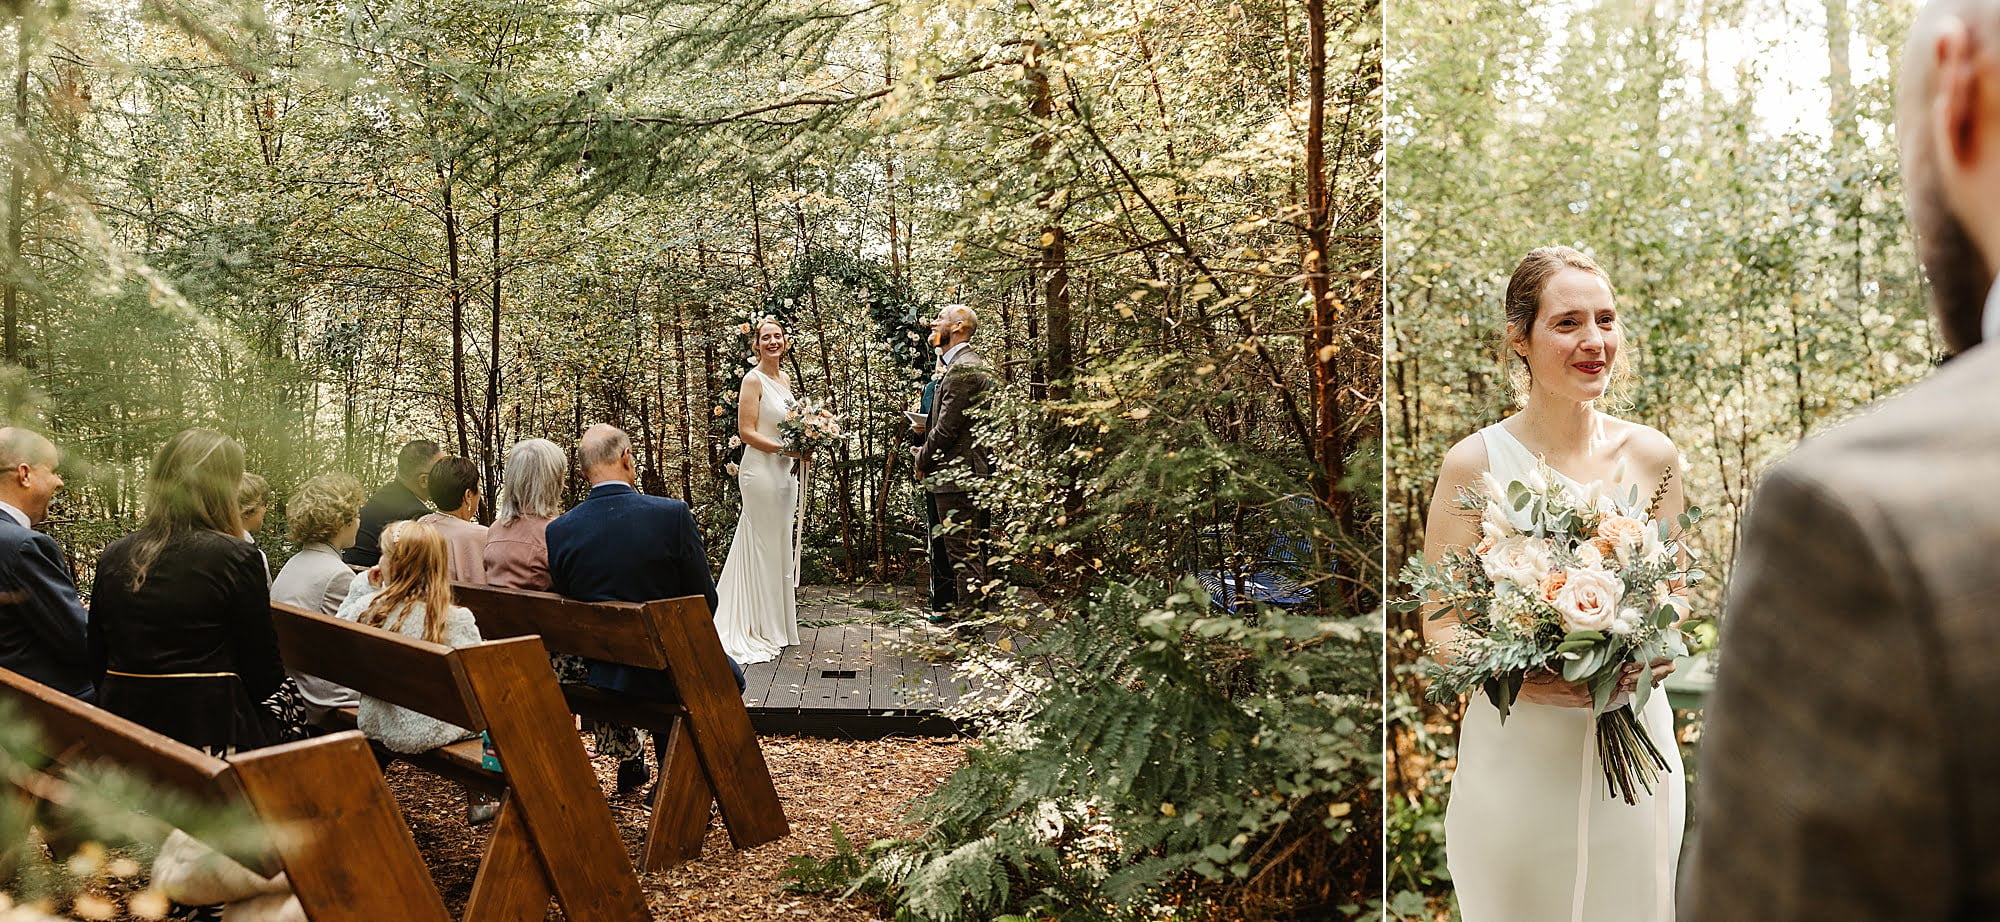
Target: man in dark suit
[
  {"x": 1847, "y": 760},
  {"x": 943, "y": 589},
  {"x": 42, "y": 623},
  {"x": 620, "y": 545},
  {"x": 951, "y": 462},
  {"x": 399, "y": 500}
]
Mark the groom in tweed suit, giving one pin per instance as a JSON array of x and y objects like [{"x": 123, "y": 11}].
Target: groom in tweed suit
[
  {"x": 951, "y": 449},
  {"x": 1849, "y": 767}
]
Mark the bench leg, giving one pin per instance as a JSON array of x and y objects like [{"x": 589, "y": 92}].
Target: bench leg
[
  {"x": 511, "y": 886},
  {"x": 680, "y": 812}
]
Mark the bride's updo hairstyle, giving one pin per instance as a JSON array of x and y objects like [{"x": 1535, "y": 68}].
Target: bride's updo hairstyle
[{"x": 1524, "y": 304}]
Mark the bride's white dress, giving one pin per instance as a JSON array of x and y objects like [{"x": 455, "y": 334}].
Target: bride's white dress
[
  {"x": 757, "y": 609},
  {"x": 1531, "y": 833}
]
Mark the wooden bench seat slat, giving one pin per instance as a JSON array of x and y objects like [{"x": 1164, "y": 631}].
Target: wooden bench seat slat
[{"x": 401, "y": 670}]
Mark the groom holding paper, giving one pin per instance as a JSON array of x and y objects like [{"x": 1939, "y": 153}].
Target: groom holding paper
[{"x": 1848, "y": 758}]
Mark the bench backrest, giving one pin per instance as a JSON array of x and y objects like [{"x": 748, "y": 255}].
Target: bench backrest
[
  {"x": 628, "y": 633},
  {"x": 554, "y": 833},
  {"x": 344, "y": 846},
  {"x": 403, "y": 671},
  {"x": 674, "y": 635}
]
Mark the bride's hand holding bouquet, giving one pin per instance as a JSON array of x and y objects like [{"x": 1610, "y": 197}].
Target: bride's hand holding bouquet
[{"x": 1571, "y": 596}]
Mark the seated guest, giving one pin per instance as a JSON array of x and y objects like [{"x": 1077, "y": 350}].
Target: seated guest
[
  {"x": 253, "y": 500},
  {"x": 517, "y": 557},
  {"x": 517, "y": 548},
  {"x": 42, "y": 624},
  {"x": 620, "y": 545},
  {"x": 180, "y": 624},
  {"x": 321, "y": 518},
  {"x": 398, "y": 500},
  {"x": 415, "y": 600},
  {"x": 454, "y": 487}
]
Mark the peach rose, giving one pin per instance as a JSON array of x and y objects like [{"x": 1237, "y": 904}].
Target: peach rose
[
  {"x": 1623, "y": 529},
  {"x": 1552, "y": 583},
  {"x": 1588, "y": 600}
]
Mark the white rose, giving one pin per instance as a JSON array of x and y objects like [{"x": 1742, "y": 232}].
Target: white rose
[
  {"x": 1589, "y": 601},
  {"x": 1589, "y": 556},
  {"x": 1518, "y": 559}
]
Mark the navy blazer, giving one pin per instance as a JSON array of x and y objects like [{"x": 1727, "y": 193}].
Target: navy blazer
[
  {"x": 43, "y": 629},
  {"x": 620, "y": 545}
]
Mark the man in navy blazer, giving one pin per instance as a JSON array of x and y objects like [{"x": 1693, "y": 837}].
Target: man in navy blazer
[
  {"x": 42, "y": 634},
  {"x": 620, "y": 545}
]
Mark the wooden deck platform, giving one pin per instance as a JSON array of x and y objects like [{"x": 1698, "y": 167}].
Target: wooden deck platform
[{"x": 860, "y": 669}]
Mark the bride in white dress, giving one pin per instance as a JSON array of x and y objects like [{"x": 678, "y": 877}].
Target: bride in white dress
[
  {"x": 1531, "y": 833},
  {"x": 757, "y": 609}
]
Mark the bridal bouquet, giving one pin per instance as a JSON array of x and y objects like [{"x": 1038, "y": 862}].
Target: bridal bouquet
[
  {"x": 809, "y": 427},
  {"x": 1569, "y": 579}
]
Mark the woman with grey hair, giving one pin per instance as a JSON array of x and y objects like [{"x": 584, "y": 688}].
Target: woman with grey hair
[
  {"x": 517, "y": 557},
  {"x": 517, "y": 553}
]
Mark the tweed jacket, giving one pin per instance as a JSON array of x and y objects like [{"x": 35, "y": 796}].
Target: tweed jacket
[
  {"x": 949, "y": 441},
  {"x": 1850, "y": 749}
]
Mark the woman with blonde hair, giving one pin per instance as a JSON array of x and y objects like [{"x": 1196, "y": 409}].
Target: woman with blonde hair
[
  {"x": 180, "y": 624},
  {"x": 322, "y": 517}
]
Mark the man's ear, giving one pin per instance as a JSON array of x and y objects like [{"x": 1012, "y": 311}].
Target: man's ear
[{"x": 22, "y": 472}]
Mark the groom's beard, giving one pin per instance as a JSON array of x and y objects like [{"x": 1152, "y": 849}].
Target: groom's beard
[{"x": 1959, "y": 276}]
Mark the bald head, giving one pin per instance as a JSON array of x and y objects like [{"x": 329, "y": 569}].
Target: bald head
[
  {"x": 605, "y": 453},
  {"x": 28, "y": 478},
  {"x": 1948, "y": 130},
  {"x": 955, "y": 324}
]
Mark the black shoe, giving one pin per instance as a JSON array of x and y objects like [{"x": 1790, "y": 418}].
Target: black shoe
[{"x": 632, "y": 775}]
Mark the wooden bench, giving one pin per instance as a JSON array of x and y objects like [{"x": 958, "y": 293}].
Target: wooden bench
[
  {"x": 554, "y": 834},
  {"x": 712, "y": 753},
  {"x": 357, "y": 862}
]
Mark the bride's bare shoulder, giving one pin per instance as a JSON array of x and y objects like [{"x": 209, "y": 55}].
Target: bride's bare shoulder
[
  {"x": 1464, "y": 461},
  {"x": 1643, "y": 444}
]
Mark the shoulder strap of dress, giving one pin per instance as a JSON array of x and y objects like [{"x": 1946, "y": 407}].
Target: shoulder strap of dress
[{"x": 1506, "y": 457}]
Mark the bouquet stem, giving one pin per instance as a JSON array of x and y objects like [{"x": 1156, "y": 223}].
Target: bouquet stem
[{"x": 1630, "y": 760}]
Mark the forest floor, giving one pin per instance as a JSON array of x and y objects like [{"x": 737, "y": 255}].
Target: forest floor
[{"x": 864, "y": 785}]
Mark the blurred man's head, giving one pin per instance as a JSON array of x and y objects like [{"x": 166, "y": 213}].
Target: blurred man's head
[
  {"x": 28, "y": 478},
  {"x": 413, "y": 463},
  {"x": 1948, "y": 126},
  {"x": 605, "y": 453}
]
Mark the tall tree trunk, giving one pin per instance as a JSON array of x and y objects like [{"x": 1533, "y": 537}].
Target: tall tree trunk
[
  {"x": 489, "y": 449},
  {"x": 1320, "y": 348},
  {"x": 455, "y": 295},
  {"x": 10, "y": 301},
  {"x": 1061, "y": 365}
]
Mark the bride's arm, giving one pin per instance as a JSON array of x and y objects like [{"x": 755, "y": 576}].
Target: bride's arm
[
  {"x": 748, "y": 401},
  {"x": 1448, "y": 526}
]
